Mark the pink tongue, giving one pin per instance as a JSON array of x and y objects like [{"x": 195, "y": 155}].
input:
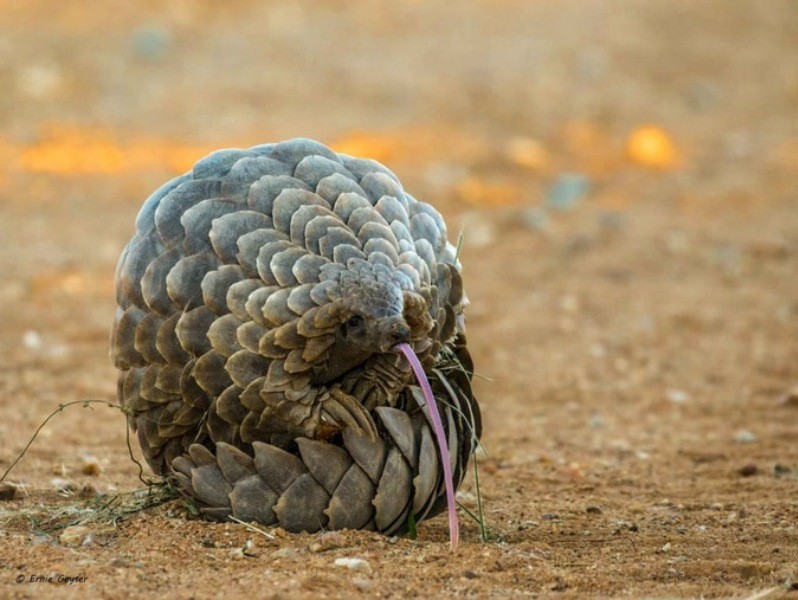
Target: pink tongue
[{"x": 437, "y": 426}]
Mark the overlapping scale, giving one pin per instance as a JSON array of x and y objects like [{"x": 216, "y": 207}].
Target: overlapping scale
[{"x": 230, "y": 297}]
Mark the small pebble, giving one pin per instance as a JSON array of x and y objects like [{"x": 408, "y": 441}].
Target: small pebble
[
  {"x": 32, "y": 340},
  {"x": 7, "y": 491},
  {"x": 550, "y": 517},
  {"x": 677, "y": 396},
  {"x": 593, "y": 510},
  {"x": 665, "y": 548},
  {"x": 627, "y": 526},
  {"x": 745, "y": 437},
  {"x": 567, "y": 191},
  {"x": 64, "y": 486},
  {"x": 151, "y": 43},
  {"x": 465, "y": 497},
  {"x": 284, "y": 553},
  {"x": 75, "y": 535},
  {"x": 237, "y": 554},
  {"x": 90, "y": 465},
  {"x": 249, "y": 549},
  {"x": 790, "y": 399},
  {"x": 535, "y": 218},
  {"x": 780, "y": 470},
  {"x": 748, "y": 470},
  {"x": 596, "y": 421},
  {"x": 89, "y": 490},
  {"x": 575, "y": 471},
  {"x": 362, "y": 583},
  {"x": 354, "y": 564},
  {"x": 329, "y": 540},
  {"x": 120, "y": 562}
]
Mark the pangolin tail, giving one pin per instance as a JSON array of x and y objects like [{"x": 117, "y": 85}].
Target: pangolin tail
[{"x": 351, "y": 482}]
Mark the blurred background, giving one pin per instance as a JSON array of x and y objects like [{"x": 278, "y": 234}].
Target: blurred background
[{"x": 625, "y": 175}]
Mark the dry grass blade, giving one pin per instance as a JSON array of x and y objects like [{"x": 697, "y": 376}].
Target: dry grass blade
[
  {"x": 106, "y": 509},
  {"x": 252, "y": 527}
]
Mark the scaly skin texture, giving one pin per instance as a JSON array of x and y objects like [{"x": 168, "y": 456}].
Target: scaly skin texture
[{"x": 260, "y": 302}]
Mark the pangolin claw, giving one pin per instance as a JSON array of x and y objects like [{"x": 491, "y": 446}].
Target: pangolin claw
[{"x": 341, "y": 408}]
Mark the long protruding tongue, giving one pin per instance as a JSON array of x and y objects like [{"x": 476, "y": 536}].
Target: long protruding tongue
[{"x": 440, "y": 434}]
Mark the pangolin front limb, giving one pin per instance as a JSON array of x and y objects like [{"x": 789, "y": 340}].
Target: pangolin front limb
[{"x": 261, "y": 301}]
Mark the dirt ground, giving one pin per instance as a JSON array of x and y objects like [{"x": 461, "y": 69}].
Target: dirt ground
[{"x": 626, "y": 174}]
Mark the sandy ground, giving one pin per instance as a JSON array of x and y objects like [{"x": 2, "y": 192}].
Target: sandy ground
[{"x": 634, "y": 302}]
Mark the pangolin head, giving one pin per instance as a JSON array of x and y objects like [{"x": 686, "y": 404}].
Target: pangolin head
[{"x": 379, "y": 311}]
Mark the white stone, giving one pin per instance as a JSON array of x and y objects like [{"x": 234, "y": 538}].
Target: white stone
[{"x": 354, "y": 564}]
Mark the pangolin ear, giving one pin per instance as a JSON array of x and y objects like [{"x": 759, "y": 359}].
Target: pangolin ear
[
  {"x": 413, "y": 303},
  {"x": 416, "y": 315}
]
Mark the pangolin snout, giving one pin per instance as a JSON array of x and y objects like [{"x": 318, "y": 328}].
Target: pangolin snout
[{"x": 394, "y": 331}]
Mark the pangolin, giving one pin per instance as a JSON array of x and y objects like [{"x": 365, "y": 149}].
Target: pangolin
[{"x": 261, "y": 305}]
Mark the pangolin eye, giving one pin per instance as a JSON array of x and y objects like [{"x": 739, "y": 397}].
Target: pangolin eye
[{"x": 354, "y": 321}]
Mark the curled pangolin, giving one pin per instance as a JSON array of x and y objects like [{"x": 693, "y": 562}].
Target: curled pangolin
[{"x": 261, "y": 302}]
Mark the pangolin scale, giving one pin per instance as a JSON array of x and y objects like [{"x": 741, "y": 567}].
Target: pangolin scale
[{"x": 260, "y": 303}]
